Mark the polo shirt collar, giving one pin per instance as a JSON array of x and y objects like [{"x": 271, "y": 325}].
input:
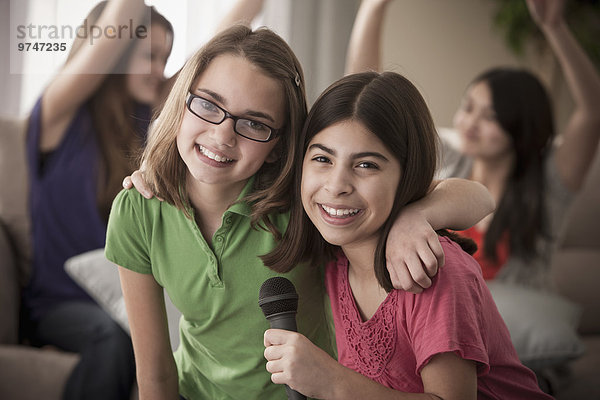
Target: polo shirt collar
[{"x": 242, "y": 207}]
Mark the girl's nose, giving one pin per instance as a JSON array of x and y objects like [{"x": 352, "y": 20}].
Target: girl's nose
[
  {"x": 223, "y": 134},
  {"x": 339, "y": 181}
]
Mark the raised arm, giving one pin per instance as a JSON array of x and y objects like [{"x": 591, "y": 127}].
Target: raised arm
[
  {"x": 84, "y": 72},
  {"x": 364, "y": 48},
  {"x": 582, "y": 134},
  {"x": 156, "y": 369},
  {"x": 413, "y": 251}
]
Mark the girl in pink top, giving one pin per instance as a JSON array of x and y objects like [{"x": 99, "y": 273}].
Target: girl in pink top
[{"x": 369, "y": 149}]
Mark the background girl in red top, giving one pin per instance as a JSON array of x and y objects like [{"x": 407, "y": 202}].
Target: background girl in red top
[{"x": 506, "y": 129}]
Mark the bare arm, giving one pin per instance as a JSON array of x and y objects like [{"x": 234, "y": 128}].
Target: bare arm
[
  {"x": 455, "y": 203},
  {"x": 75, "y": 84},
  {"x": 582, "y": 134},
  {"x": 156, "y": 370},
  {"x": 364, "y": 48},
  {"x": 295, "y": 361},
  {"x": 413, "y": 251}
]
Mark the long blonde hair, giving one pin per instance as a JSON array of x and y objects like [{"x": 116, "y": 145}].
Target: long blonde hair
[{"x": 165, "y": 171}]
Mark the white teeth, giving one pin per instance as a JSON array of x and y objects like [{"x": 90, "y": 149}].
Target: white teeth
[
  {"x": 334, "y": 212},
  {"x": 213, "y": 156}
]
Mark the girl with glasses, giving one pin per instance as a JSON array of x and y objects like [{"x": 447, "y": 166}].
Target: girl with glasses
[
  {"x": 221, "y": 156},
  {"x": 369, "y": 148}
]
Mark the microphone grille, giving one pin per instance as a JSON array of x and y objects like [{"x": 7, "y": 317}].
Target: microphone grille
[{"x": 277, "y": 295}]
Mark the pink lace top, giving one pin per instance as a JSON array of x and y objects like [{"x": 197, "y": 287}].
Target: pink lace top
[
  {"x": 457, "y": 314},
  {"x": 372, "y": 343}
]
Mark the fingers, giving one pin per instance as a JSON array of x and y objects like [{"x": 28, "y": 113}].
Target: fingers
[
  {"x": 277, "y": 370},
  {"x": 138, "y": 181},
  {"x": 416, "y": 264},
  {"x": 277, "y": 337},
  {"x": 137, "y": 177},
  {"x": 275, "y": 349},
  {"x": 404, "y": 280},
  {"x": 127, "y": 183},
  {"x": 438, "y": 252}
]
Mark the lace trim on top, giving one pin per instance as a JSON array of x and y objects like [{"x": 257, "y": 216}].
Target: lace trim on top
[{"x": 371, "y": 344}]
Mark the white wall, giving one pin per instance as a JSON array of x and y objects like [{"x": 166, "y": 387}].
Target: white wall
[
  {"x": 442, "y": 45},
  {"x": 317, "y": 30},
  {"x": 439, "y": 45}
]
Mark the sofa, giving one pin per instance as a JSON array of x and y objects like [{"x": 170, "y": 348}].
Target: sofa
[{"x": 28, "y": 372}]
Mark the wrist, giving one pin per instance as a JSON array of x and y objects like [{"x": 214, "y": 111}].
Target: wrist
[
  {"x": 553, "y": 27},
  {"x": 340, "y": 384}
]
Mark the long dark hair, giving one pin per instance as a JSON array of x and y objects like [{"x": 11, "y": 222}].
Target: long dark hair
[
  {"x": 524, "y": 111},
  {"x": 392, "y": 108}
]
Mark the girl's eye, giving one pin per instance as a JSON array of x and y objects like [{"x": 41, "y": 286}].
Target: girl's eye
[
  {"x": 320, "y": 159},
  {"x": 254, "y": 125},
  {"x": 207, "y": 105},
  {"x": 367, "y": 164}
]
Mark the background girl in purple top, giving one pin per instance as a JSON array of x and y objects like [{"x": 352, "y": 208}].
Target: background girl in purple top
[
  {"x": 83, "y": 134},
  {"x": 369, "y": 148}
]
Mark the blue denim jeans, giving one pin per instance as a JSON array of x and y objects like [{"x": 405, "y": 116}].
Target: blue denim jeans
[{"x": 106, "y": 369}]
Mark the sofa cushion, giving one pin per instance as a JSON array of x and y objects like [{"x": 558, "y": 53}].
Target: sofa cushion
[
  {"x": 100, "y": 278},
  {"x": 13, "y": 181},
  {"x": 542, "y": 325},
  {"x": 9, "y": 290},
  {"x": 50, "y": 368},
  {"x": 576, "y": 272}
]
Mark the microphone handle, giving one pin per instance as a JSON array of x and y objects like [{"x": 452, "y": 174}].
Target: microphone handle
[
  {"x": 293, "y": 395},
  {"x": 287, "y": 321}
]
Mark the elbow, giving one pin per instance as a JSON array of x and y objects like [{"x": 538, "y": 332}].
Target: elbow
[{"x": 488, "y": 204}]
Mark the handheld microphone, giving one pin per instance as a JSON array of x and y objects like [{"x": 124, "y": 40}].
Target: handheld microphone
[{"x": 278, "y": 300}]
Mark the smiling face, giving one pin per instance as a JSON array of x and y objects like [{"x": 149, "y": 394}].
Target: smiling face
[
  {"x": 349, "y": 182},
  {"x": 215, "y": 154},
  {"x": 482, "y": 136}
]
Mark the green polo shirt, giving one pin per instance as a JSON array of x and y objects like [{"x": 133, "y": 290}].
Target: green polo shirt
[{"x": 216, "y": 289}]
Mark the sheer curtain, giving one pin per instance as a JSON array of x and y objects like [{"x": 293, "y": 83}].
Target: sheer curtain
[{"x": 317, "y": 30}]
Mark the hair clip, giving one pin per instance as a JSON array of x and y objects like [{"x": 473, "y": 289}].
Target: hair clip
[{"x": 297, "y": 79}]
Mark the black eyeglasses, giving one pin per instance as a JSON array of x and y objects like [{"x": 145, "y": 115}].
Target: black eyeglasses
[{"x": 210, "y": 112}]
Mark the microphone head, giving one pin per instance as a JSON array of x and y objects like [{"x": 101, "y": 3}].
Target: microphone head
[{"x": 277, "y": 295}]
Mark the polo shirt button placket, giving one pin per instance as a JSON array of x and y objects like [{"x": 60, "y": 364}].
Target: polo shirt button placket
[{"x": 215, "y": 279}]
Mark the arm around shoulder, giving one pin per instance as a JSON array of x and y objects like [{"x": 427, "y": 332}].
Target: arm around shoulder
[{"x": 413, "y": 251}]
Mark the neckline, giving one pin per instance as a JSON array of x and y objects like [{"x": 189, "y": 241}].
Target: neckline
[{"x": 357, "y": 317}]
